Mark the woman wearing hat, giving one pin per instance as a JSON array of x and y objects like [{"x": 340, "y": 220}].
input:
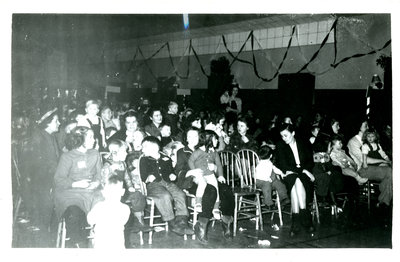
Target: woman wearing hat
[{"x": 42, "y": 163}]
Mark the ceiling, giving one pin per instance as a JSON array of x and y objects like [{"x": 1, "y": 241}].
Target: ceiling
[
  {"x": 109, "y": 27},
  {"x": 60, "y": 31}
]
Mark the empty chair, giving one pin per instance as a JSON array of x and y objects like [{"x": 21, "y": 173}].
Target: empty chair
[{"x": 247, "y": 197}]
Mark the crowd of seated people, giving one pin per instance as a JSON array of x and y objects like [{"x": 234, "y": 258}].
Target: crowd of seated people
[{"x": 77, "y": 167}]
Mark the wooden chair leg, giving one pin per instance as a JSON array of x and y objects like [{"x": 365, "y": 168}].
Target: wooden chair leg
[
  {"x": 316, "y": 209},
  {"x": 150, "y": 237},
  {"x": 17, "y": 207},
  {"x": 369, "y": 196},
  {"x": 259, "y": 214},
  {"x": 59, "y": 232},
  {"x": 194, "y": 222},
  {"x": 64, "y": 234},
  {"x": 152, "y": 214},
  {"x": 278, "y": 202},
  {"x": 141, "y": 238},
  {"x": 235, "y": 216}
]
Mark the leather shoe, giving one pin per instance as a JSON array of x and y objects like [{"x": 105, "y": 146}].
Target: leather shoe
[
  {"x": 295, "y": 228},
  {"x": 181, "y": 222},
  {"x": 200, "y": 229}
]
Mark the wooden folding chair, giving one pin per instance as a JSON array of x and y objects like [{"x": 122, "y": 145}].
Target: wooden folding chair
[
  {"x": 151, "y": 213},
  {"x": 62, "y": 234},
  {"x": 369, "y": 192},
  {"x": 191, "y": 203},
  {"x": 247, "y": 197},
  {"x": 250, "y": 159}
]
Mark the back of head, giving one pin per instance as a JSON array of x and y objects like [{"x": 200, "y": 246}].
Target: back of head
[
  {"x": 76, "y": 138},
  {"x": 265, "y": 152},
  {"x": 152, "y": 139},
  {"x": 335, "y": 138},
  {"x": 205, "y": 139},
  {"x": 113, "y": 188},
  {"x": 115, "y": 145}
]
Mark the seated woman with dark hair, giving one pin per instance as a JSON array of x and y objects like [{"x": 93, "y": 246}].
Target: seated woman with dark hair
[
  {"x": 129, "y": 124},
  {"x": 294, "y": 158},
  {"x": 240, "y": 139},
  {"x": 77, "y": 181},
  {"x": 156, "y": 118}
]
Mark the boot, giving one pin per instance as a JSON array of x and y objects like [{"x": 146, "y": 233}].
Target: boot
[
  {"x": 306, "y": 220},
  {"x": 200, "y": 229},
  {"x": 295, "y": 228},
  {"x": 138, "y": 224},
  {"x": 174, "y": 227},
  {"x": 180, "y": 226},
  {"x": 226, "y": 226}
]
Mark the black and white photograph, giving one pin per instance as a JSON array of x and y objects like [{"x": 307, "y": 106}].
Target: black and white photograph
[{"x": 200, "y": 129}]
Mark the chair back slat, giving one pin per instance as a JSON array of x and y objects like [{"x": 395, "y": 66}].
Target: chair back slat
[
  {"x": 249, "y": 160},
  {"x": 231, "y": 167}
]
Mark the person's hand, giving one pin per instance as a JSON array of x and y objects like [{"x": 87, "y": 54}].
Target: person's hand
[
  {"x": 212, "y": 167},
  {"x": 195, "y": 173},
  {"x": 227, "y": 139},
  {"x": 172, "y": 177},
  {"x": 93, "y": 185},
  {"x": 311, "y": 176},
  {"x": 131, "y": 189},
  {"x": 287, "y": 173},
  {"x": 84, "y": 183},
  {"x": 245, "y": 139},
  {"x": 150, "y": 178},
  {"x": 221, "y": 179}
]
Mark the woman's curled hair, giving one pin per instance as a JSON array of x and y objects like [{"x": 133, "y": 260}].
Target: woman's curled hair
[{"x": 76, "y": 138}]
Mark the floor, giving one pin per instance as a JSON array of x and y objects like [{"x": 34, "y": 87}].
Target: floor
[{"x": 370, "y": 230}]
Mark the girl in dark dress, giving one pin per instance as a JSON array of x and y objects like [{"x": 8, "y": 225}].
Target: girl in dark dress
[{"x": 94, "y": 122}]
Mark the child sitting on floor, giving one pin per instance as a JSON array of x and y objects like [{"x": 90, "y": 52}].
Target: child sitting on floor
[
  {"x": 109, "y": 217},
  {"x": 207, "y": 159},
  {"x": 266, "y": 178},
  {"x": 346, "y": 163}
]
